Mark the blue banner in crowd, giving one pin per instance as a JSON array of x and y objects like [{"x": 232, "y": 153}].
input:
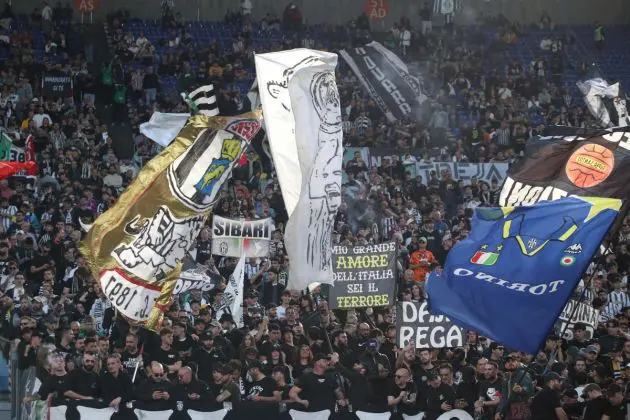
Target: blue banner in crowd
[{"x": 511, "y": 277}]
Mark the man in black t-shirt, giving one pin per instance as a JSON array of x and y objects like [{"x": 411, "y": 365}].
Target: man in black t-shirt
[
  {"x": 85, "y": 384},
  {"x": 165, "y": 354},
  {"x": 617, "y": 409},
  {"x": 403, "y": 394},
  {"x": 317, "y": 390},
  {"x": 263, "y": 387},
  {"x": 597, "y": 404},
  {"x": 130, "y": 357},
  {"x": 440, "y": 397},
  {"x": 489, "y": 392},
  {"x": 546, "y": 404}
]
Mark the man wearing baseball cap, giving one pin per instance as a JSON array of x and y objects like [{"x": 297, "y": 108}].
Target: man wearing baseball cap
[{"x": 546, "y": 404}]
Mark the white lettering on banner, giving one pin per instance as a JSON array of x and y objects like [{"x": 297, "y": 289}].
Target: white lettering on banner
[
  {"x": 436, "y": 337},
  {"x": 620, "y": 137},
  {"x": 159, "y": 244},
  {"x": 368, "y": 249},
  {"x": 15, "y": 154},
  {"x": 259, "y": 229},
  {"x": 389, "y": 87},
  {"x": 537, "y": 289},
  {"x": 182, "y": 286},
  {"x": 465, "y": 171},
  {"x": 417, "y": 325},
  {"x": 584, "y": 314},
  {"x": 134, "y": 300},
  {"x": 516, "y": 193},
  {"x": 363, "y": 275}
]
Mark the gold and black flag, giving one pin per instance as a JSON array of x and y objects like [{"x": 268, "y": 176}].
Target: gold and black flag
[{"x": 136, "y": 248}]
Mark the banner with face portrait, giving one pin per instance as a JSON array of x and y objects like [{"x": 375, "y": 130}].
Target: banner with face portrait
[{"x": 302, "y": 111}]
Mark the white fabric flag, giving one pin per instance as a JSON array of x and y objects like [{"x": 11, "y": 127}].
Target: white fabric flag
[
  {"x": 163, "y": 128},
  {"x": 302, "y": 113},
  {"x": 233, "y": 294},
  {"x": 595, "y": 91}
]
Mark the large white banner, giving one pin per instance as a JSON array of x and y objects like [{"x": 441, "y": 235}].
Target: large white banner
[
  {"x": 235, "y": 238},
  {"x": 232, "y": 302},
  {"x": 303, "y": 119},
  {"x": 85, "y": 413}
]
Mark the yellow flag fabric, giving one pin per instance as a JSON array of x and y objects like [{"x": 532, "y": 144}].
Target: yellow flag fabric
[{"x": 136, "y": 248}]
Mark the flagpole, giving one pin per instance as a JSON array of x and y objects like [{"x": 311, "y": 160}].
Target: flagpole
[{"x": 135, "y": 372}]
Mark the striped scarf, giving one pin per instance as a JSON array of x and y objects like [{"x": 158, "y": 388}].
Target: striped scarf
[{"x": 202, "y": 101}]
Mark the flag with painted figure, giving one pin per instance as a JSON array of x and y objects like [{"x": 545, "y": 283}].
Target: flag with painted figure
[
  {"x": 302, "y": 112},
  {"x": 232, "y": 299},
  {"x": 135, "y": 249},
  {"x": 570, "y": 161},
  {"x": 234, "y": 238},
  {"x": 511, "y": 277}
]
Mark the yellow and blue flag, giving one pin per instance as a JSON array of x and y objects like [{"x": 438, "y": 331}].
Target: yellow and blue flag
[{"x": 511, "y": 277}]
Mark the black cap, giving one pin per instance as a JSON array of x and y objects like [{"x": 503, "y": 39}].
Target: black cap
[
  {"x": 433, "y": 375},
  {"x": 570, "y": 393},
  {"x": 255, "y": 364},
  {"x": 320, "y": 356},
  {"x": 226, "y": 318},
  {"x": 579, "y": 326},
  {"x": 550, "y": 376}
]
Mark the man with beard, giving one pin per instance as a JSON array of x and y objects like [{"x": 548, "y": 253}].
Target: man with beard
[
  {"x": 117, "y": 386},
  {"x": 207, "y": 357},
  {"x": 131, "y": 356},
  {"x": 421, "y": 370},
  {"x": 518, "y": 388},
  {"x": 317, "y": 390},
  {"x": 402, "y": 396},
  {"x": 340, "y": 346},
  {"x": 546, "y": 404},
  {"x": 230, "y": 332},
  {"x": 85, "y": 384},
  {"x": 490, "y": 395},
  {"x": 263, "y": 387},
  {"x": 440, "y": 397}
]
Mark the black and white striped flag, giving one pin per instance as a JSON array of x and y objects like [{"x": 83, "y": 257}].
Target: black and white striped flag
[{"x": 203, "y": 101}]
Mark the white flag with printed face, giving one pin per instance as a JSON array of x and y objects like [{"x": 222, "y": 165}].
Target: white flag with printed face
[
  {"x": 233, "y": 294},
  {"x": 302, "y": 114}
]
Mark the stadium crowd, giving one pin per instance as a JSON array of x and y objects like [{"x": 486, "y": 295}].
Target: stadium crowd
[{"x": 293, "y": 350}]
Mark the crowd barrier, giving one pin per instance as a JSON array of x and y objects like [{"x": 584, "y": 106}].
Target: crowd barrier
[{"x": 71, "y": 410}]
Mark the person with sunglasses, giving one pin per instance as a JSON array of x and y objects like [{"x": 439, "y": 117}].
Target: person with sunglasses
[{"x": 156, "y": 390}]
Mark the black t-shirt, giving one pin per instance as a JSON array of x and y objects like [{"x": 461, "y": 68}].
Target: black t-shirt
[
  {"x": 490, "y": 391},
  {"x": 54, "y": 385},
  {"x": 129, "y": 361},
  {"x": 85, "y": 383},
  {"x": 407, "y": 405},
  {"x": 544, "y": 404},
  {"x": 318, "y": 390},
  {"x": 166, "y": 357},
  {"x": 183, "y": 348},
  {"x": 617, "y": 412},
  {"x": 436, "y": 397},
  {"x": 596, "y": 408},
  {"x": 263, "y": 388}
]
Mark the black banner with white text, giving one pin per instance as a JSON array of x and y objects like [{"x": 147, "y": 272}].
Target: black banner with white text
[
  {"x": 416, "y": 325},
  {"x": 58, "y": 85},
  {"x": 365, "y": 276},
  {"x": 386, "y": 78}
]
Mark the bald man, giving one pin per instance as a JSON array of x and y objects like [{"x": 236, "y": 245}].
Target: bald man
[
  {"x": 156, "y": 389},
  {"x": 194, "y": 392}
]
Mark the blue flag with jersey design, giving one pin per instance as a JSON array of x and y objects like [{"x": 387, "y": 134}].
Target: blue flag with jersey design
[{"x": 511, "y": 277}]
